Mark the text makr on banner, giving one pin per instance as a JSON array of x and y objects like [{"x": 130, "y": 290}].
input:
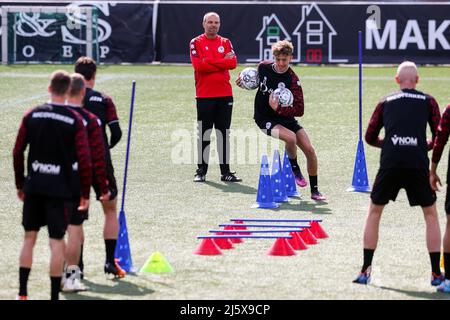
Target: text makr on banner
[
  {"x": 124, "y": 33},
  {"x": 321, "y": 33}
]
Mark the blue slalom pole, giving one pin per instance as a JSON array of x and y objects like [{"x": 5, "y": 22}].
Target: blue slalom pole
[
  {"x": 272, "y": 220},
  {"x": 360, "y": 83},
  {"x": 254, "y": 231},
  {"x": 260, "y": 226},
  {"x": 360, "y": 182},
  {"x": 122, "y": 252},
  {"x": 130, "y": 123},
  {"x": 243, "y": 236}
]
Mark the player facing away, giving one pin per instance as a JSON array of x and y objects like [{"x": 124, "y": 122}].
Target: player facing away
[
  {"x": 403, "y": 164},
  {"x": 103, "y": 107},
  {"x": 441, "y": 139},
  {"x": 75, "y": 97},
  {"x": 278, "y": 120},
  {"x": 57, "y": 139}
]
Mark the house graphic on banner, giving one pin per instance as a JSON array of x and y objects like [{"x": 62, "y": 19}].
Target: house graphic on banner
[
  {"x": 313, "y": 37},
  {"x": 271, "y": 32}
]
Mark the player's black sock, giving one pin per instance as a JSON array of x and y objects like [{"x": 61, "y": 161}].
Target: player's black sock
[
  {"x": 368, "y": 257},
  {"x": 80, "y": 262},
  {"x": 224, "y": 168},
  {"x": 435, "y": 259},
  {"x": 313, "y": 184},
  {"x": 294, "y": 165},
  {"x": 447, "y": 265},
  {"x": 110, "y": 246},
  {"x": 56, "y": 287},
  {"x": 23, "y": 280}
]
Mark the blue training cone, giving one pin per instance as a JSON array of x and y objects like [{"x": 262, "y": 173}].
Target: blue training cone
[
  {"x": 122, "y": 252},
  {"x": 264, "y": 198},
  {"x": 360, "y": 181},
  {"x": 289, "y": 179},
  {"x": 277, "y": 180}
]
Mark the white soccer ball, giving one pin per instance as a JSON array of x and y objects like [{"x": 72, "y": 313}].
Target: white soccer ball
[
  {"x": 249, "y": 78},
  {"x": 285, "y": 96}
]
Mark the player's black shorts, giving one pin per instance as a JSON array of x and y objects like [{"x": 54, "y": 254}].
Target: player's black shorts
[
  {"x": 267, "y": 124},
  {"x": 112, "y": 185},
  {"x": 415, "y": 181},
  {"x": 77, "y": 217},
  {"x": 447, "y": 200},
  {"x": 39, "y": 211}
]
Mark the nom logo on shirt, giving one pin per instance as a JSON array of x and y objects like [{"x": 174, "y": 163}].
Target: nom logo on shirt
[
  {"x": 404, "y": 141},
  {"x": 46, "y": 168}
]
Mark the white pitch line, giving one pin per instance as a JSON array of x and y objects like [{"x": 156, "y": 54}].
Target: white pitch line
[
  {"x": 40, "y": 96},
  {"x": 110, "y": 76}
]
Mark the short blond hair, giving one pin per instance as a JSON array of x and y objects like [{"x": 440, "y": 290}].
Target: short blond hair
[
  {"x": 282, "y": 47},
  {"x": 407, "y": 71},
  {"x": 76, "y": 84},
  {"x": 406, "y": 64}
]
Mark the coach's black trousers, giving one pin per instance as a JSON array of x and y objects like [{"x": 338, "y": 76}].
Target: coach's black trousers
[{"x": 214, "y": 112}]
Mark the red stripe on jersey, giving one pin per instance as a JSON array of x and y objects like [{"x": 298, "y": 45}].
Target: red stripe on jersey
[
  {"x": 442, "y": 135},
  {"x": 18, "y": 153},
  {"x": 298, "y": 106},
  {"x": 83, "y": 156}
]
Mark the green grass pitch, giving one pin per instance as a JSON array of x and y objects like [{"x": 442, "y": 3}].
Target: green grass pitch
[{"x": 165, "y": 210}]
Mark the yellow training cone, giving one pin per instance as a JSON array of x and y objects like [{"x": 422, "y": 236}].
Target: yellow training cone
[{"x": 156, "y": 264}]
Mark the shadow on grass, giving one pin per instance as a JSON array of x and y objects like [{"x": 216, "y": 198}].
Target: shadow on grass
[
  {"x": 121, "y": 287},
  {"x": 232, "y": 187},
  {"x": 418, "y": 294},
  {"x": 312, "y": 207},
  {"x": 295, "y": 204}
]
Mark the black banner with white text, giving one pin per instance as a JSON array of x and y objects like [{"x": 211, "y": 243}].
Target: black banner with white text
[{"x": 320, "y": 33}]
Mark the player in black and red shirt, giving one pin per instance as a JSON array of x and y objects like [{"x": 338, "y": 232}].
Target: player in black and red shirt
[
  {"x": 403, "y": 163},
  {"x": 57, "y": 141},
  {"x": 103, "y": 107},
  {"x": 212, "y": 57},
  {"x": 278, "y": 120},
  {"x": 75, "y": 97},
  {"x": 441, "y": 139}
]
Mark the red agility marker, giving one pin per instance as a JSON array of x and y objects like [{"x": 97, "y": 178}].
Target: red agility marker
[
  {"x": 308, "y": 237},
  {"x": 233, "y": 240},
  {"x": 281, "y": 248},
  {"x": 317, "y": 230},
  {"x": 207, "y": 248}
]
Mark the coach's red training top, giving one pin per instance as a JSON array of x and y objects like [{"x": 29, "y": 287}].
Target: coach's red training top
[{"x": 212, "y": 78}]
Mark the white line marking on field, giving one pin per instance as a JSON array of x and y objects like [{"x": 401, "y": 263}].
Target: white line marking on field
[
  {"x": 41, "y": 96},
  {"x": 112, "y": 76}
]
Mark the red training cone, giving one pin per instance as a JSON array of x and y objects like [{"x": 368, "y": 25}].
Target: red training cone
[
  {"x": 301, "y": 244},
  {"x": 207, "y": 248},
  {"x": 281, "y": 248},
  {"x": 223, "y": 243},
  {"x": 317, "y": 230},
  {"x": 308, "y": 237},
  {"x": 241, "y": 228},
  {"x": 295, "y": 244},
  {"x": 233, "y": 240}
]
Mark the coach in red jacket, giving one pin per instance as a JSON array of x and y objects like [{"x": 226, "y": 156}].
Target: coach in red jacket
[{"x": 212, "y": 56}]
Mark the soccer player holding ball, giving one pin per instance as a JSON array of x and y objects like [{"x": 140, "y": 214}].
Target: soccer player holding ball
[{"x": 278, "y": 101}]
